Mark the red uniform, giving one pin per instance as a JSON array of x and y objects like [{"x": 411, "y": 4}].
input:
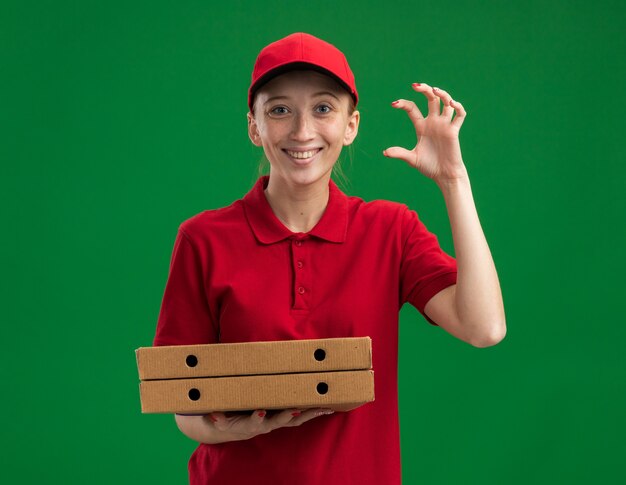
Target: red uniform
[{"x": 237, "y": 274}]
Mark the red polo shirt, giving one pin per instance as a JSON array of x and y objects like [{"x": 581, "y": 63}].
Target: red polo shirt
[{"x": 237, "y": 274}]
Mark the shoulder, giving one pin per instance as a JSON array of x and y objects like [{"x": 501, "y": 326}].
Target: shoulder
[
  {"x": 212, "y": 221},
  {"x": 379, "y": 211}
]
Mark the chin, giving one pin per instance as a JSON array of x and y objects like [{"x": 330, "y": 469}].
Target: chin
[
  {"x": 303, "y": 177},
  {"x": 309, "y": 179}
]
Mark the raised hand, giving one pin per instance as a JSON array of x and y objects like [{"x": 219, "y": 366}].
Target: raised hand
[{"x": 437, "y": 153}]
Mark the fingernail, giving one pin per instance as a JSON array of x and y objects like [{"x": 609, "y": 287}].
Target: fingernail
[
  {"x": 385, "y": 153},
  {"x": 262, "y": 414},
  {"x": 297, "y": 413},
  {"x": 395, "y": 102},
  {"x": 212, "y": 418},
  {"x": 435, "y": 89},
  {"x": 416, "y": 84}
]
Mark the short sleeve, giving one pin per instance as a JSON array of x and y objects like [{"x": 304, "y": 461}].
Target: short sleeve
[
  {"x": 425, "y": 268},
  {"x": 184, "y": 318}
]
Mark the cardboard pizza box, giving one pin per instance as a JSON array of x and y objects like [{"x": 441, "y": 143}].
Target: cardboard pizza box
[
  {"x": 341, "y": 391},
  {"x": 253, "y": 358}
]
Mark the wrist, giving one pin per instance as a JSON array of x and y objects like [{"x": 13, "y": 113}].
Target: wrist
[{"x": 453, "y": 183}]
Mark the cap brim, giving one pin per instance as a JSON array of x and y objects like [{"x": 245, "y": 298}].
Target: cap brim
[{"x": 294, "y": 66}]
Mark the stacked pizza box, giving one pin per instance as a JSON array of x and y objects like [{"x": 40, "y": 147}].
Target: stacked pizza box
[{"x": 334, "y": 373}]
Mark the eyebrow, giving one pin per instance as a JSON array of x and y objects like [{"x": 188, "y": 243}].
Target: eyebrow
[{"x": 321, "y": 93}]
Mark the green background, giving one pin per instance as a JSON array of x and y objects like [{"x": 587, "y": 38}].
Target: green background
[{"x": 119, "y": 120}]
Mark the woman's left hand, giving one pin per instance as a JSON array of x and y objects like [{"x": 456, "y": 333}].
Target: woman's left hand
[{"x": 437, "y": 154}]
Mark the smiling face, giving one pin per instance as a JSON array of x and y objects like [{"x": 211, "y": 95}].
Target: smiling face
[{"x": 302, "y": 122}]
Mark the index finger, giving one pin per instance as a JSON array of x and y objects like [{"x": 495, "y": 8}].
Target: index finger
[
  {"x": 433, "y": 100},
  {"x": 411, "y": 109}
]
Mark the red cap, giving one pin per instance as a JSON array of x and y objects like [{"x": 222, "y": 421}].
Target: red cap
[{"x": 302, "y": 51}]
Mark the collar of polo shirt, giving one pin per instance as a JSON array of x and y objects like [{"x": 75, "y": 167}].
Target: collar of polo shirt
[{"x": 268, "y": 229}]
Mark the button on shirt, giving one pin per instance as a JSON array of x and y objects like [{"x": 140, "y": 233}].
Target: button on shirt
[{"x": 237, "y": 274}]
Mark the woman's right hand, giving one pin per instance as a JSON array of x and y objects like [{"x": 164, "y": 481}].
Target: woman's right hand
[
  {"x": 246, "y": 426},
  {"x": 220, "y": 427}
]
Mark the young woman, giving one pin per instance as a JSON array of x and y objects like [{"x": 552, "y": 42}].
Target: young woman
[{"x": 296, "y": 258}]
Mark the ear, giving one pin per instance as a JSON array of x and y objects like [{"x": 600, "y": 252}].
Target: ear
[
  {"x": 253, "y": 131},
  {"x": 352, "y": 128}
]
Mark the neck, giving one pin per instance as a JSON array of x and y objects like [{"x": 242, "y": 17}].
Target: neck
[{"x": 298, "y": 207}]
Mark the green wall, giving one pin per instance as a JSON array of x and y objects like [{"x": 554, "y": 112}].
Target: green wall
[{"x": 119, "y": 120}]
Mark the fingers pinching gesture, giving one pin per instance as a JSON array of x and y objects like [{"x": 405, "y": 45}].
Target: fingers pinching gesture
[{"x": 437, "y": 153}]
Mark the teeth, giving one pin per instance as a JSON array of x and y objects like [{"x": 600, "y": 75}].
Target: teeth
[{"x": 308, "y": 154}]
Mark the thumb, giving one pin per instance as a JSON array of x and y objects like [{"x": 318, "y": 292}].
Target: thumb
[{"x": 402, "y": 153}]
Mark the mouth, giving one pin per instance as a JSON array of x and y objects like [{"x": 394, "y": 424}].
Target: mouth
[{"x": 302, "y": 157}]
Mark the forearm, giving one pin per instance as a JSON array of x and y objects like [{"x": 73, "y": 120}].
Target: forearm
[
  {"x": 200, "y": 429},
  {"x": 478, "y": 297}
]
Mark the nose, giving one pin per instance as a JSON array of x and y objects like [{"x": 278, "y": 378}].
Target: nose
[{"x": 302, "y": 129}]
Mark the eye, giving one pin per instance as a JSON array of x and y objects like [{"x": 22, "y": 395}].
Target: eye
[
  {"x": 324, "y": 108},
  {"x": 278, "y": 110}
]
